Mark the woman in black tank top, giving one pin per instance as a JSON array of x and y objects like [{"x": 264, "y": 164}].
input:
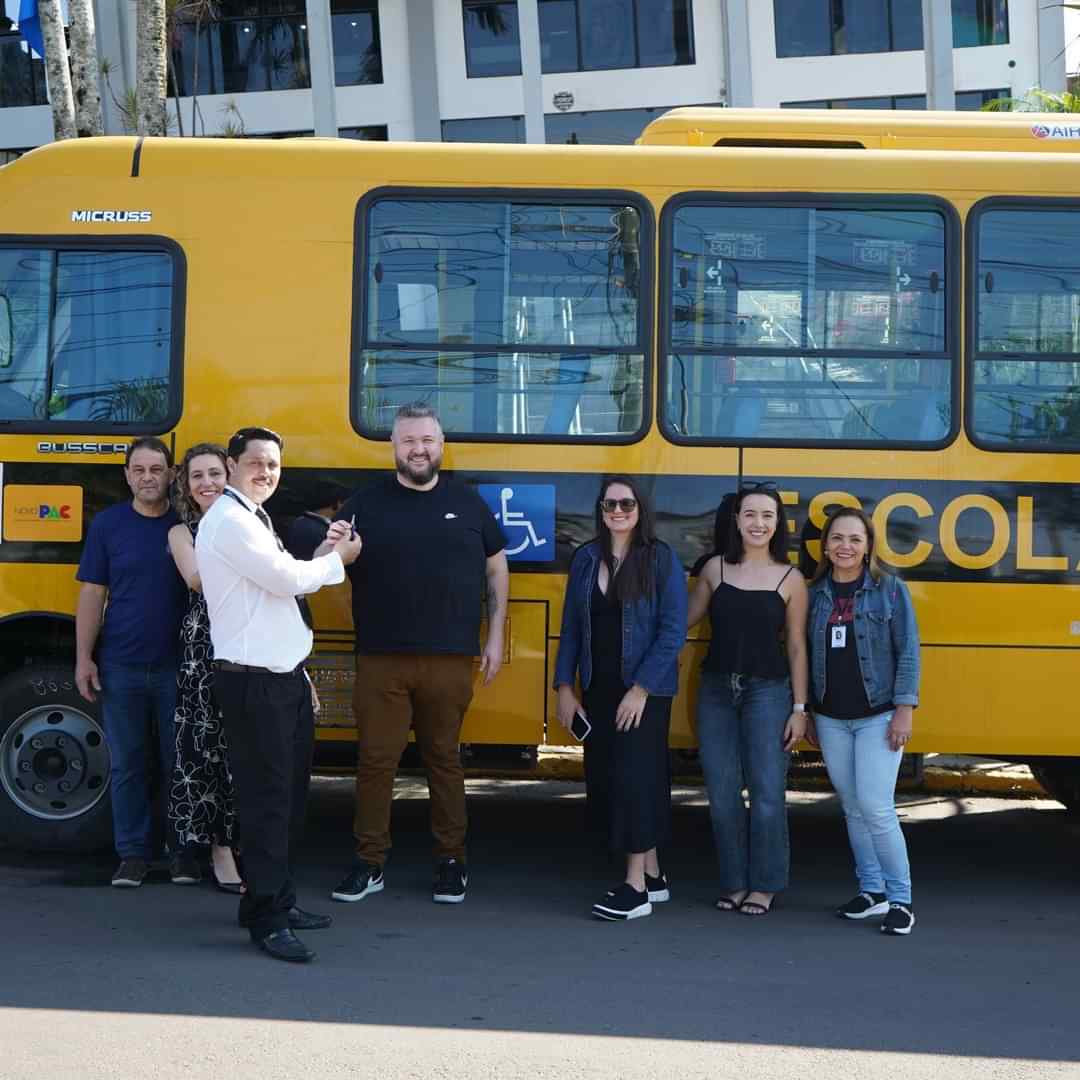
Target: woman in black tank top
[{"x": 747, "y": 722}]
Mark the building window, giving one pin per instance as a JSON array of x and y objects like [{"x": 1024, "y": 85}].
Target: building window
[
  {"x": 966, "y": 101},
  {"x": 22, "y": 75},
  {"x": 1025, "y": 386},
  {"x": 357, "y": 52},
  {"x": 92, "y": 336},
  {"x": 605, "y": 127},
  {"x": 369, "y": 133},
  {"x": 806, "y": 323},
  {"x": 263, "y": 45},
  {"x": 489, "y": 129},
  {"x": 837, "y": 27},
  {"x": 492, "y": 44},
  {"x": 516, "y": 319},
  {"x": 580, "y": 35}
]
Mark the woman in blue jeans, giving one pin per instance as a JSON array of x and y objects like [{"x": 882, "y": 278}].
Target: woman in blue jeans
[
  {"x": 864, "y": 658},
  {"x": 623, "y": 624},
  {"x": 747, "y": 722}
]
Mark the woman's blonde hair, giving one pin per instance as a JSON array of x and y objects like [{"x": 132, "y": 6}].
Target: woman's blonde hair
[
  {"x": 872, "y": 564},
  {"x": 186, "y": 506}
]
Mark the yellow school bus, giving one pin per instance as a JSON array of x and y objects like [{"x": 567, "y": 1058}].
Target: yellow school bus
[
  {"x": 865, "y": 129},
  {"x": 898, "y": 330}
]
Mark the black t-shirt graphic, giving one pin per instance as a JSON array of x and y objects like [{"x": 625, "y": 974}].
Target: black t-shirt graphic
[
  {"x": 418, "y": 584},
  {"x": 845, "y": 696}
]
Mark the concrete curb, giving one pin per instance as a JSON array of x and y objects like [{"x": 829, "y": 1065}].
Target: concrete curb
[{"x": 1003, "y": 782}]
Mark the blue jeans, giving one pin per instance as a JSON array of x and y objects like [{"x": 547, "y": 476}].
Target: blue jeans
[
  {"x": 740, "y": 729},
  {"x": 137, "y": 702},
  {"x": 863, "y": 770}
]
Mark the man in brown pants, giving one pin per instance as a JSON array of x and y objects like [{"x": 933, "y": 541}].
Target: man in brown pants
[{"x": 430, "y": 546}]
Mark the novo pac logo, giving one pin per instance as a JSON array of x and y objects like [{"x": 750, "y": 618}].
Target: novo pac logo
[{"x": 43, "y": 512}]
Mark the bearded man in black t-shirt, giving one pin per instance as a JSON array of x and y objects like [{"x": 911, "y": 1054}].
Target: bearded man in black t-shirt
[{"x": 431, "y": 548}]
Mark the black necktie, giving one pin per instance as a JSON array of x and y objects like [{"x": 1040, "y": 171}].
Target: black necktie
[{"x": 301, "y": 601}]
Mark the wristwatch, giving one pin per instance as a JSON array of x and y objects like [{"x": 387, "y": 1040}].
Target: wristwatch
[{"x": 798, "y": 708}]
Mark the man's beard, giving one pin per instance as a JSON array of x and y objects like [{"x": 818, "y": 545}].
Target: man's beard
[{"x": 413, "y": 472}]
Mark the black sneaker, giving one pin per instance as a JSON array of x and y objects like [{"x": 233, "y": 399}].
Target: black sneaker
[
  {"x": 450, "y": 881},
  {"x": 623, "y": 903},
  {"x": 130, "y": 874},
  {"x": 184, "y": 869},
  {"x": 362, "y": 880},
  {"x": 863, "y": 906},
  {"x": 900, "y": 920},
  {"x": 657, "y": 888}
]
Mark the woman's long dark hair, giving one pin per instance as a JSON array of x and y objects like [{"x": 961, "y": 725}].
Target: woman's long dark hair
[
  {"x": 778, "y": 541},
  {"x": 637, "y": 575}
]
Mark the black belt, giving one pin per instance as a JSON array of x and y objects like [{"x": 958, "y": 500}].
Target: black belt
[{"x": 228, "y": 665}]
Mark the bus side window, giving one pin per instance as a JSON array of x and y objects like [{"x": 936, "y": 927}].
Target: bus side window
[
  {"x": 791, "y": 323},
  {"x": 515, "y": 318},
  {"x": 1026, "y": 362}
]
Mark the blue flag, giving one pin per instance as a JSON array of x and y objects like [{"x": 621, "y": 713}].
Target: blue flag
[{"x": 29, "y": 27}]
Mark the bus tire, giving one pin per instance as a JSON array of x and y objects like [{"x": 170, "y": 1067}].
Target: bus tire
[
  {"x": 54, "y": 764},
  {"x": 1060, "y": 779}
]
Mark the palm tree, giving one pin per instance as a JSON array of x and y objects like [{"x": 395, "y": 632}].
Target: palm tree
[
  {"x": 57, "y": 69},
  {"x": 150, "y": 66},
  {"x": 84, "y": 69},
  {"x": 1037, "y": 100}
]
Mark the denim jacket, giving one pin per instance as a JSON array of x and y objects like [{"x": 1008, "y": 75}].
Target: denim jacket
[
  {"x": 886, "y": 638},
  {"x": 653, "y": 627}
]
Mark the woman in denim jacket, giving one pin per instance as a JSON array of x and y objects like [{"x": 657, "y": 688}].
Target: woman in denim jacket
[
  {"x": 864, "y": 662},
  {"x": 623, "y": 624}
]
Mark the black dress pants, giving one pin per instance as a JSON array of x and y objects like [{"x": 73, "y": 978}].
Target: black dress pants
[{"x": 270, "y": 727}]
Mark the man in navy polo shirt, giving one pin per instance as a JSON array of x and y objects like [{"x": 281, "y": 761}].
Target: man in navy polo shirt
[{"x": 127, "y": 649}]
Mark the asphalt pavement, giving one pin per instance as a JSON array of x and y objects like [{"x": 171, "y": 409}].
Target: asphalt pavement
[{"x": 519, "y": 982}]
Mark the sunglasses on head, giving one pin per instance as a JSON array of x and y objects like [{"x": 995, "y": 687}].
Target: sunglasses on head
[
  {"x": 609, "y": 506},
  {"x": 758, "y": 485}
]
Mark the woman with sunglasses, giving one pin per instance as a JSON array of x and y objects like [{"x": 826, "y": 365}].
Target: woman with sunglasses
[
  {"x": 864, "y": 657},
  {"x": 623, "y": 624},
  {"x": 747, "y": 722}
]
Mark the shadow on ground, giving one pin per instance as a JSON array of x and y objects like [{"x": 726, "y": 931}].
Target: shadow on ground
[{"x": 989, "y": 972}]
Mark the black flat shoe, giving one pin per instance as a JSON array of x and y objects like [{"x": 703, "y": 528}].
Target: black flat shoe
[
  {"x": 305, "y": 920},
  {"x": 285, "y": 945},
  {"x": 234, "y": 887}
]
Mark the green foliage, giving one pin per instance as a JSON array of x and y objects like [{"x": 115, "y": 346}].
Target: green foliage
[{"x": 1037, "y": 100}]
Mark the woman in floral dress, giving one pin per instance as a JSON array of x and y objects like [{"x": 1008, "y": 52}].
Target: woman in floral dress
[{"x": 200, "y": 798}]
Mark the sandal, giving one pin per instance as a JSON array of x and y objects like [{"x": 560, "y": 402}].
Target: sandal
[
  {"x": 756, "y": 907},
  {"x": 729, "y": 903}
]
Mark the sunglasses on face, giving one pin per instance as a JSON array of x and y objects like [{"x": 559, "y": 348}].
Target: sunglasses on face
[{"x": 609, "y": 506}]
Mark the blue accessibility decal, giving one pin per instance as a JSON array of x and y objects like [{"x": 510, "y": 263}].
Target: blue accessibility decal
[{"x": 526, "y": 513}]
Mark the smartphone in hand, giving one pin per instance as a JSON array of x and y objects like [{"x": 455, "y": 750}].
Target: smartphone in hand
[{"x": 580, "y": 726}]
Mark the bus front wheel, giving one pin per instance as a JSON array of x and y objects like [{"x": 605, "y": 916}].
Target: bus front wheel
[
  {"x": 1060, "y": 779},
  {"x": 54, "y": 764}
]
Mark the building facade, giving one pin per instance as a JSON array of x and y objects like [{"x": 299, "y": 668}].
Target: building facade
[{"x": 451, "y": 69}]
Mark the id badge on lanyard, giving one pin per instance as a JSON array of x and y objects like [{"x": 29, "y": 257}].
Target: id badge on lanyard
[{"x": 839, "y": 637}]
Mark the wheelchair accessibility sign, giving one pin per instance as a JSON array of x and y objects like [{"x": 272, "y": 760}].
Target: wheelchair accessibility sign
[{"x": 526, "y": 513}]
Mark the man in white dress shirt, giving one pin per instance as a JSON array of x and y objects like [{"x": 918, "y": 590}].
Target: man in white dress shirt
[{"x": 261, "y": 635}]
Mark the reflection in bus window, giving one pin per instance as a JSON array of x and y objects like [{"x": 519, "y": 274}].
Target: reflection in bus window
[
  {"x": 1026, "y": 385},
  {"x": 91, "y": 335},
  {"x": 807, "y": 324},
  {"x": 513, "y": 319}
]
